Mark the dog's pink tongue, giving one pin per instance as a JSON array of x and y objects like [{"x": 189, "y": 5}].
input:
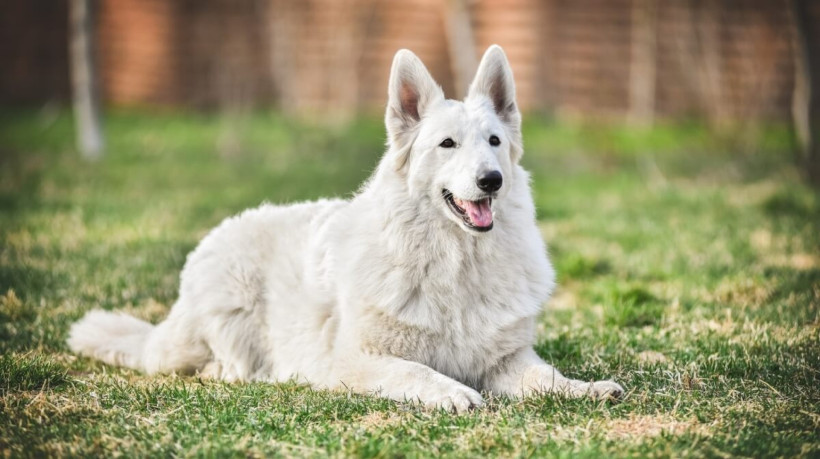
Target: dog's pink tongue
[{"x": 479, "y": 212}]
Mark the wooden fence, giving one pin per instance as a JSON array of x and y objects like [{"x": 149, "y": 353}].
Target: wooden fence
[{"x": 730, "y": 59}]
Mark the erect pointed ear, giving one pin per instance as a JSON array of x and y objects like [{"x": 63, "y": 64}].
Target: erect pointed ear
[
  {"x": 494, "y": 79},
  {"x": 411, "y": 91}
]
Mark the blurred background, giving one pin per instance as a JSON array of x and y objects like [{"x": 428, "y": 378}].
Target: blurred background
[
  {"x": 283, "y": 99},
  {"x": 718, "y": 59},
  {"x": 725, "y": 63}
]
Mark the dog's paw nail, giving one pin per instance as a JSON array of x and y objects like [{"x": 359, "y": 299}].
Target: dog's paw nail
[{"x": 607, "y": 390}]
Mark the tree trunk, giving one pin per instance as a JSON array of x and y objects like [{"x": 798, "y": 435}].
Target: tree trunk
[
  {"x": 461, "y": 45},
  {"x": 643, "y": 65},
  {"x": 84, "y": 80},
  {"x": 806, "y": 123}
]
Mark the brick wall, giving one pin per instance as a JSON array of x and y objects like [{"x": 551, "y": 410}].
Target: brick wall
[
  {"x": 333, "y": 55},
  {"x": 720, "y": 59},
  {"x": 183, "y": 52}
]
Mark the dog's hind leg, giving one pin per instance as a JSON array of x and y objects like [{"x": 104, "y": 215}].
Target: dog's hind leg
[
  {"x": 175, "y": 345},
  {"x": 237, "y": 345}
]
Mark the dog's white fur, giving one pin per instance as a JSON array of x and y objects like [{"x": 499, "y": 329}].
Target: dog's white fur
[{"x": 388, "y": 293}]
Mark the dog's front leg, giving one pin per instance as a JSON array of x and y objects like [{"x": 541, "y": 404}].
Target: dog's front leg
[
  {"x": 523, "y": 373},
  {"x": 404, "y": 380}
]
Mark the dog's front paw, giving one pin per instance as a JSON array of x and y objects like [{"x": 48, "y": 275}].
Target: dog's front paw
[
  {"x": 457, "y": 398},
  {"x": 216, "y": 370},
  {"x": 600, "y": 390}
]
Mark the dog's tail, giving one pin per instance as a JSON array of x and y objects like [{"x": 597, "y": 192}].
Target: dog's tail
[{"x": 113, "y": 337}]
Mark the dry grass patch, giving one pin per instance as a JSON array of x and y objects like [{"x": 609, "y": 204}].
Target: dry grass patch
[
  {"x": 774, "y": 250},
  {"x": 752, "y": 194},
  {"x": 563, "y": 300},
  {"x": 149, "y": 310},
  {"x": 743, "y": 291},
  {"x": 637, "y": 427},
  {"x": 651, "y": 357},
  {"x": 43, "y": 407},
  {"x": 12, "y": 307},
  {"x": 745, "y": 331},
  {"x": 380, "y": 420}
]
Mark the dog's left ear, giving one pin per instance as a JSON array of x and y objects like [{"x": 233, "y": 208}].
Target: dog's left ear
[{"x": 494, "y": 80}]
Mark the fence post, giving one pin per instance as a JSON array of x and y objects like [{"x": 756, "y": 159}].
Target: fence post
[
  {"x": 84, "y": 81},
  {"x": 643, "y": 61}
]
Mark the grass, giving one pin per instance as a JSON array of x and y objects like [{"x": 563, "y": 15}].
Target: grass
[{"x": 688, "y": 261}]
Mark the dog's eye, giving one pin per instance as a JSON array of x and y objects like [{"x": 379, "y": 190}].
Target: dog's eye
[
  {"x": 447, "y": 143},
  {"x": 495, "y": 141}
]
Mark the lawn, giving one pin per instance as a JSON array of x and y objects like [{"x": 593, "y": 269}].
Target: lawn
[{"x": 688, "y": 263}]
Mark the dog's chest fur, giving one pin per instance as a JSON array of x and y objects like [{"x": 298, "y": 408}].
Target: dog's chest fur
[{"x": 454, "y": 302}]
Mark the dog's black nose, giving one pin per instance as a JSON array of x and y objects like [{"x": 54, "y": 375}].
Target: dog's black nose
[{"x": 489, "y": 181}]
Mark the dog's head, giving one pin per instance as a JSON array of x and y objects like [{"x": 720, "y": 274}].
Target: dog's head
[{"x": 459, "y": 155}]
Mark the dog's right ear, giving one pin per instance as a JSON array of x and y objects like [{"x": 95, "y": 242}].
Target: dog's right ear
[{"x": 411, "y": 91}]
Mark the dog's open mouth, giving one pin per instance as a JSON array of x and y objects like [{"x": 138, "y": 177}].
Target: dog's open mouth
[{"x": 476, "y": 215}]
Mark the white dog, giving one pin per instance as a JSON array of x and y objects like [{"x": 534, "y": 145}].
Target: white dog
[{"x": 425, "y": 286}]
